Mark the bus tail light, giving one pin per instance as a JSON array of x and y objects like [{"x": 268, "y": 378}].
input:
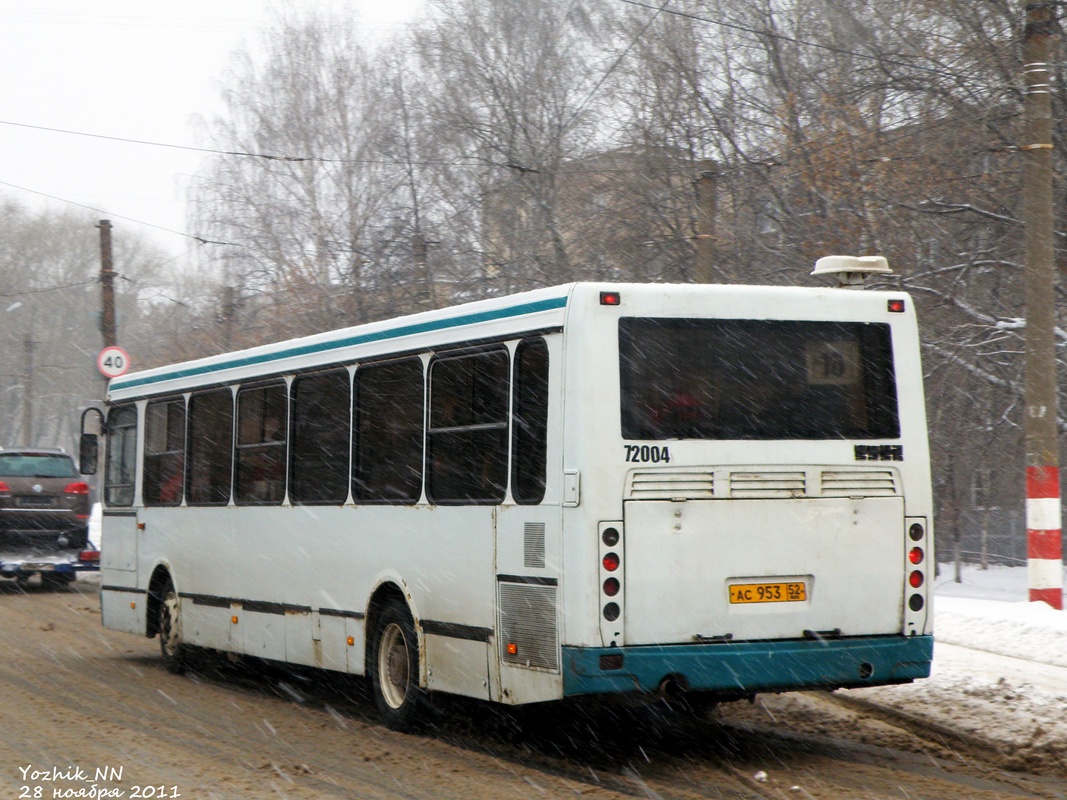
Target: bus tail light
[
  {"x": 611, "y": 554},
  {"x": 915, "y": 587}
]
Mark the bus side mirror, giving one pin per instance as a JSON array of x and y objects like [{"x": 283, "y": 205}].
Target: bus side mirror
[
  {"x": 88, "y": 453},
  {"x": 92, "y": 427}
]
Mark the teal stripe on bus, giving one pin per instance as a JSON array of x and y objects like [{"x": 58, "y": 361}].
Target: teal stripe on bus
[{"x": 349, "y": 341}]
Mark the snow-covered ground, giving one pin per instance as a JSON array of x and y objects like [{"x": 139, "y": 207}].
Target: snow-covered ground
[{"x": 1000, "y": 665}]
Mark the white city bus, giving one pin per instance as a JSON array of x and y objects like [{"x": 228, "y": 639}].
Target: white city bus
[{"x": 587, "y": 489}]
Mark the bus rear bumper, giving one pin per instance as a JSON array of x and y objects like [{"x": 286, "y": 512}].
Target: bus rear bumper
[{"x": 743, "y": 668}]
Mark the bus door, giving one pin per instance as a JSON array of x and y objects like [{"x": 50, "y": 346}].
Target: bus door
[
  {"x": 120, "y": 531},
  {"x": 528, "y": 532}
]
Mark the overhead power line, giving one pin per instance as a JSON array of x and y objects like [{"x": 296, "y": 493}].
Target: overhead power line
[
  {"x": 783, "y": 37},
  {"x": 221, "y": 152}
]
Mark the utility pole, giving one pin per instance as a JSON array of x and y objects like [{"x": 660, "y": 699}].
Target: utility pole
[
  {"x": 1043, "y": 505},
  {"x": 27, "y": 391},
  {"x": 229, "y": 312},
  {"x": 705, "y": 223},
  {"x": 107, "y": 286},
  {"x": 423, "y": 290}
]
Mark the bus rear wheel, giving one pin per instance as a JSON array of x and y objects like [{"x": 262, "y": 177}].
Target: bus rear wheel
[
  {"x": 394, "y": 669},
  {"x": 169, "y": 625}
]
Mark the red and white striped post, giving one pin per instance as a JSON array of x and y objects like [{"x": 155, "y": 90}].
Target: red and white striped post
[
  {"x": 1044, "y": 526},
  {"x": 1044, "y": 543}
]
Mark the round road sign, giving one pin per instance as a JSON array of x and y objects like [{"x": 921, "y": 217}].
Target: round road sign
[{"x": 113, "y": 362}]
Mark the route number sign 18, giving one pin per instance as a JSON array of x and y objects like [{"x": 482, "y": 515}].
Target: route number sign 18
[{"x": 113, "y": 362}]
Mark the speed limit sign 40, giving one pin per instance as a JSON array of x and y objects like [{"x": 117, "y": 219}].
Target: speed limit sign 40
[{"x": 113, "y": 362}]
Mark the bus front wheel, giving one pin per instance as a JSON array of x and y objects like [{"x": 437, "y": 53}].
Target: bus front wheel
[
  {"x": 169, "y": 625},
  {"x": 394, "y": 668}
]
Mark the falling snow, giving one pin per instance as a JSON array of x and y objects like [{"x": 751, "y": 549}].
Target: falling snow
[{"x": 1000, "y": 665}]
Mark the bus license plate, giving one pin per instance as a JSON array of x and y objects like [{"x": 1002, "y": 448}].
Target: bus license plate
[{"x": 785, "y": 592}]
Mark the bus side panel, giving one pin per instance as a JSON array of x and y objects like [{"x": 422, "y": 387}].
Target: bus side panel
[
  {"x": 356, "y": 632},
  {"x": 259, "y": 633},
  {"x": 205, "y": 625},
  {"x": 316, "y": 640},
  {"x": 118, "y": 553},
  {"x": 459, "y": 666},
  {"x": 123, "y": 610}
]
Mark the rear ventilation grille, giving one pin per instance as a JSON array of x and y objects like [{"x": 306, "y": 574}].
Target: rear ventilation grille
[
  {"x": 528, "y": 625},
  {"x": 758, "y": 485},
  {"x": 859, "y": 483},
  {"x": 657, "y": 485}
]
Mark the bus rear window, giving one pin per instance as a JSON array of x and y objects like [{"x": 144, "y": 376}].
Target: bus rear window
[{"x": 756, "y": 379}]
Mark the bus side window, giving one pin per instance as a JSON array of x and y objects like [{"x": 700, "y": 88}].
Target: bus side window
[
  {"x": 319, "y": 450},
  {"x": 164, "y": 453},
  {"x": 210, "y": 448},
  {"x": 468, "y": 436},
  {"x": 259, "y": 474},
  {"x": 529, "y": 443},
  {"x": 121, "y": 456},
  {"x": 388, "y": 425}
]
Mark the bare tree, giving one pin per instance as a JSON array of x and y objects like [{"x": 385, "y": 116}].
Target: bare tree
[
  {"x": 49, "y": 319},
  {"x": 299, "y": 199}
]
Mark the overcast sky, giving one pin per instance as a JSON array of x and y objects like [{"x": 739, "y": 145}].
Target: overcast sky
[{"x": 129, "y": 69}]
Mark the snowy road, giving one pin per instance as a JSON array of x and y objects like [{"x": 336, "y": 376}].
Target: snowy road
[
  {"x": 73, "y": 695},
  {"x": 1000, "y": 670},
  {"x": 955, "y": 664}
]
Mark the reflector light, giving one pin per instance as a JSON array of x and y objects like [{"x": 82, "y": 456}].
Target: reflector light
[
  {"x": 611, "y": 612},
  {"x": 89, "y": 555},
  {"x": 915, "y": 531},
  {"x": 133, "y": 605},
  {"x": 915, "y": 555},
  {"x": 513, "y": 649},
  {"x": 915, "y": 579},
  {"x": 610, "y": 298},
  {"x": 896, "y": 306},
  {"x": 611, "y": 562},
  {"x": 611, "y": 661},
  {"x": 351, "y": 640},
  {"x": 233, "y": 619},
  {"x": 80, "y": 487},
  {"x": 611, "y": 587},
  {"x": 916, "y": 602},
  {"x": 610, "y": 537}
]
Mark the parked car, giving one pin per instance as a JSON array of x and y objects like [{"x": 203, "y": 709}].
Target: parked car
[{"x": 44, "y": 515}]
